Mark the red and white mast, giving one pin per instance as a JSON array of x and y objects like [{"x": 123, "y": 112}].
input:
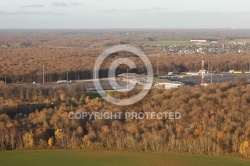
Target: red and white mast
[{"x": 203, "y": 72}]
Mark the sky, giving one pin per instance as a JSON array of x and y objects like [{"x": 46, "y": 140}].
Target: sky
[{"x": 85, "y": 14}]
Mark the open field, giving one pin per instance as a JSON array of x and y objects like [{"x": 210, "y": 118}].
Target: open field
[
  {"x": 110, "y": 158},
  {"x": 166, "y": 43}
]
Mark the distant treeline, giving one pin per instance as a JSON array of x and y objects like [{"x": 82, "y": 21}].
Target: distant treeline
[
  {"x": 25, "y": 65},
  {"x": 54, "y": 77},
  {"x": 216, "y": 63}
]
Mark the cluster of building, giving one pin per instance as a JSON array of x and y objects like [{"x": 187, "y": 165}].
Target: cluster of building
[
  {"x": 206, "y": 47},
  {"x": 142, "y": 80}
]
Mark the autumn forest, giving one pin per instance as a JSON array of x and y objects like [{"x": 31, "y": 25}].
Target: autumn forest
[{"x": 215, "y": 119}]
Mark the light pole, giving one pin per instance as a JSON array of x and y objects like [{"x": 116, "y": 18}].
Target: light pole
[
  {"x": 67, "y": 79},
  {"x": 157, "y": 68},
  {"x": 211, "y": 75},
  {"x": 127, "y": 79},
  {"x": 249, "y": 65},
  {"x": 208, "y": 64},
  {"x": 94, "y": 74},
  {"x": 43, "y": 73}
]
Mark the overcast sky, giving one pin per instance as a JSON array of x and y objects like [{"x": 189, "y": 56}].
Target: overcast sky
[{"x": 125, "y": 14}]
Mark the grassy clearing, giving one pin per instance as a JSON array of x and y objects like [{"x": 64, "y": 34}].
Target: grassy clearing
[
  {"x": 111, "y": 158},
  {"x": 166, "y": 43}
]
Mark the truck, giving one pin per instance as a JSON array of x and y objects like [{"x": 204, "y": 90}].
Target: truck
[
  {"x": 61, "y": 81},
  {"x": 238, "y": 72}
]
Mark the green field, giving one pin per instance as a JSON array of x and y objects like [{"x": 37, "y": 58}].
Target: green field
[
  {"x": 111, "y": 158},
  {"x": 166, "y": 43}
]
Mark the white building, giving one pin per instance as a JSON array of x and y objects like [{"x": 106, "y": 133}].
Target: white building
[
  {"x": 198, "y": 41},
  {"x": 168, "y": 84}
]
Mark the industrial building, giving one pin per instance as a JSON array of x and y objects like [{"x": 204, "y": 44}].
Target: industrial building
[
  {"x": 142, "y": 80},
  {"x": 168, "y": 84}
]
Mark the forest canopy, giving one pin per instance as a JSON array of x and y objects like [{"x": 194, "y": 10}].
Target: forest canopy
[{"x": 215, "y": 121}]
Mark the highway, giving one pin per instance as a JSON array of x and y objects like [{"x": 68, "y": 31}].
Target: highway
[
  {"x": 216, "y": 78},
  {"x": 70, "y": 82},
  {"x": 87, "y": 83},
  {"x": 188, "y": 80}
]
